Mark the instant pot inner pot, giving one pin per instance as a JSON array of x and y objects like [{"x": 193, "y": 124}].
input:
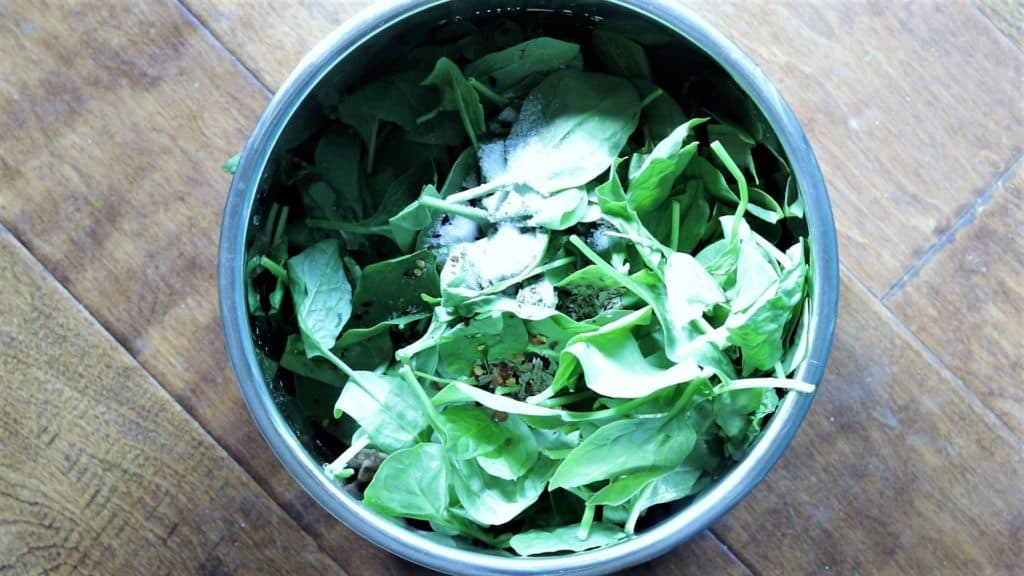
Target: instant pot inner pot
[{"x": 674, "y": 62}]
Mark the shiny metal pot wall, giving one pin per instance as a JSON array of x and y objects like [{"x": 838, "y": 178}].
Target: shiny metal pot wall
[{"x": 349, "y": 53}]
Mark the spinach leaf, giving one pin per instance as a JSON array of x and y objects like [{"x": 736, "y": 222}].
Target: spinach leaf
[
  {"x": 386, "y": 407},
  {"x": 515, "y": 455},
  {"x": 515, "y": 70},
  {"x": 620, "y": 490},
  {"x": 564, "y": 539},
  {"x": 492, "y": 501},
  {"x": 614, "y": 366},
  {"x": 411, "y": 483},
  {"x": 570, "y": 128},
  {"x": 620, "y": 55},
  {"x": 491, "y": 338},
  {"x": 471, "y": 432},
  {"x": 457, "y": 96},
  {"x": 625, "y": 447},
  {"x": 651, "y": 176},
  {"x": 321, "y": 294},
  {"x": 392, "y": 289}
]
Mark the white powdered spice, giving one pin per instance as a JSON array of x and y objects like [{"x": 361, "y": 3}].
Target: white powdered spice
[
  {"x": 492, "y": 160},
  {"x": 503, "y": 255}
]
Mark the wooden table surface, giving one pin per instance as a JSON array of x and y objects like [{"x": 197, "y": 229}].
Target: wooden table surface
[{"x": 125, "y": 447}]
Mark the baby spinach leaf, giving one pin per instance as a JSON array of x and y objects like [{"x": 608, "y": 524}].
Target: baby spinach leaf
[
  {"x": 660, "y": 116},
  {"x": 758, "y": 329},
  {"x": 564, "y": 539},
  {"x": 625, "y": 447},
  {"x": 570, "y": 128},
  {"x": 471, "y": 432},
  {"x": 492, "y": 501},
  {"x": 620, "y": 55},
  {"x": 491, "y": 338},
  {"x": 424, "y": 498},
  {"x": 386, "y": 407},
  {"x": 675, "y": 485},
  {"x": 462, "y": 175},
  {"x": 321, "y": 294},
  {"x": 515, "y": 70},
  {"x": 513, "y": 457},
  {"x": 651, "y": 176},
  {"x": 369, "y": 354},
  {"x": 614, "y": 366},
  {"x": 338, "y": 156},
  {"x": 457, "y": 96},
  {"x": 620, "y": 490},
  {"x": 392, "y": 289}
]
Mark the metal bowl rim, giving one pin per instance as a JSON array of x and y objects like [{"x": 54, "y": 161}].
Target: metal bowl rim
[{"x": 684, "y": 524}]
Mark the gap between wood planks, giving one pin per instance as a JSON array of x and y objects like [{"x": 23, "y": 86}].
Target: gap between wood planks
[
  {"x": 947, "y": 237},
  {"x": 220, "y": 44},
  {"x": 934, "y": 358}
]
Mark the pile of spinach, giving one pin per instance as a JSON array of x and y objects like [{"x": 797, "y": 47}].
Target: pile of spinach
[{"x": 525, "y": 293}]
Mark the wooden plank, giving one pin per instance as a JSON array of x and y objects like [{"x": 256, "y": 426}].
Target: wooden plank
[
  {"x": 705, "y": 554},
  {"x": 101, "y": 471},
  {"x": 1007, "y": 16},
  {"x": 897, "y": 469},
  {"x": 912, "y": 108},
  {"x": 967, "y": 303},
  {"x": 883, "y": 90},
  {"x": 271, "y": 37},
  {"x": 121, "y": 114}
]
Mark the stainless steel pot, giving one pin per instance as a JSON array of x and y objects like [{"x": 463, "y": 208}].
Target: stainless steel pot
[{"x": 352, "y": 50}]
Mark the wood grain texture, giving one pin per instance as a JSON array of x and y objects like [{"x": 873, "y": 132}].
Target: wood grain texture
[
  {"x": 967, "y": 303},
  {"x": 1007, "y": 16},
  {"x": 912, "y": 108},
  {"x": 121, "y": 114},
  {"x": 271, "y": 37},
  {"x": 898, "y": 468},
  {"x": 705, "y": 554},
  {"x": 102, "y": 472}
]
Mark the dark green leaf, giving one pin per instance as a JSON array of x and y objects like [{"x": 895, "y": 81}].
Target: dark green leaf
[
  {"x": 620, "y": 55},
  {"x": 517, "y": 69}
]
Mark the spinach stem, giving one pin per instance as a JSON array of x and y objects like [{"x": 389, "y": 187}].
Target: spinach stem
[
  {"x": 485, "y": 91},
  {"x": 438, "y": 379},
  {"x": 674, "y": 238},
  {"x": 478, "y": 215},
  {"x": 407, "y": 374},
  {"x": 281, "y": 223},
  {"x": 606, "y": 267},
  {"x": 651, "y": 97},
  {"x": 751, "y": 383},
  {"x": 585, "y": 523},
  {"x": 274, "y": 268},
  {"x": 341, "y": 462},
  {"x": 635, "y": 510},
  {"x": 476, "y": 192},
  {"x": 429, "y": 115},
  {"x": 372, "y": 147},
  {"x": 352, "y": 227},
  {"x": 268, "y": 230},
  {"x": 559, "y": 401},
  {"x": 734, "y": 170}
]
